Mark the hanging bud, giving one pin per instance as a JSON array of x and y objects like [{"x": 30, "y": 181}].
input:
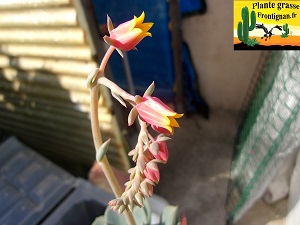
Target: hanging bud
[
  {"x": 159, "y": 150},
  {"x": 152, "y": 172},
  {"x": 139, "y": 199}
]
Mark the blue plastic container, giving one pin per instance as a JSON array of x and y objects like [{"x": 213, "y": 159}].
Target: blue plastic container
[{"x": 33, "y": 190}]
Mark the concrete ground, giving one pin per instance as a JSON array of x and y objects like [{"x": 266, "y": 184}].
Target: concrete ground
[{"x": 196, "y": 175}]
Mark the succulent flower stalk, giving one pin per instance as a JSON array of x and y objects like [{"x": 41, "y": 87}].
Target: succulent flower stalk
[{"x": 149, "y": 110}]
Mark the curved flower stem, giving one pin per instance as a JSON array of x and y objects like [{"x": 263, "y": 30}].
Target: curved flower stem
[
  {"x": 106, "y": 57},
  {"x": 112, "y": 180},
  {"x": 116, "y": 89}
]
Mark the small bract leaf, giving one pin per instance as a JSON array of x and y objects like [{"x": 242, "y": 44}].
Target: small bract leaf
[
  {"x": 102, "y": 150},
  {"x": 139, "y": 198},
  {"x": 150, "y": 89},
  {"x": 131, "y": 153},
  {"x": 121, "y": 209},
  {"x": 131, "y": 206},
  {"x": 144, "y": 137},
  {"x": 141, "y": 164},
  {"x": 116, "y": 96},
  {"x": 110, "y": 25},
  {"x": 132, "y": 115},
  {"x": 163, "y": 138},
  {"x": 154, "y": 148},
  {"x": 136, "y": 154},
  {"x": 125, "y": 200},
  {"x": 91, "y": 77},
  {"x": 136, "y": 183},
  {"x": 120, "y": 52}
]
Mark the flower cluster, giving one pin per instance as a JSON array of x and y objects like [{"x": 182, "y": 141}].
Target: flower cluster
[
  {"x": 150, "y": 111},
  {"x": 149, "y": 151}
]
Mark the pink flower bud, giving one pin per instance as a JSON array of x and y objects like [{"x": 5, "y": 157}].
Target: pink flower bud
[
  {"x": 127, "y": 35},
  {"x": 161, "y": 117},
  {"x": 152, "y": 172},
  {"x": 159, "y": 150}
]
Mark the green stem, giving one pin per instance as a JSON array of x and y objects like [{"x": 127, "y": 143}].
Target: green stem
[{"x": 111, "y": 178}]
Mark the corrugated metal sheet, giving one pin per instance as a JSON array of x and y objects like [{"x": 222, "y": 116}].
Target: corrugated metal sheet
[{"x": 45, "y": 56}]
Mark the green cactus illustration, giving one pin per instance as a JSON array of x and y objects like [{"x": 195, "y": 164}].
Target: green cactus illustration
[
  {"x": 287, "y": 31},
  {"x": 243, "y": 27}
]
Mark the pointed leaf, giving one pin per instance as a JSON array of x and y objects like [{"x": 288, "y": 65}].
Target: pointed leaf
[
  {"x": 116, "y": 96},
  {"x": 150, "y": 89},
  {"x": 144, "y": 137},
  {"x": 132, "y": 115},
  {"x": 101, "y": 152},
  {"x": 110, "y": 25},
  {"x": 162, "y": 138},
  {"x": 154, "y": 148},
  {"x": 91, "y": 77},
  {"x": 120, "y": 52}
]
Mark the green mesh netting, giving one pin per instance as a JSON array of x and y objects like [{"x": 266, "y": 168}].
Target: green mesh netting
[{"x": 270, "y": 131}]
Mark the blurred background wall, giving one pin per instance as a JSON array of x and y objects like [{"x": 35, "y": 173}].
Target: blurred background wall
[{"x": 223, "y": 73}]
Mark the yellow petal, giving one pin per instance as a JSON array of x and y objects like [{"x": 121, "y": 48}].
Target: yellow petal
[
  {"x": 178, "y": 115},
  {"x": 145, "y": 26},
  {"x": 168, "y": 128},
  {"x": 173, "y": 122},
  {"x": 140, "y": 19}
]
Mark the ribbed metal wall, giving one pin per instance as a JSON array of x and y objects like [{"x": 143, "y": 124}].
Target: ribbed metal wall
[{"x": 45, "y": 56}]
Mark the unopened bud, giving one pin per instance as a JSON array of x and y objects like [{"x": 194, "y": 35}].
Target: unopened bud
[
  {"x": 131, "y": 206},
  {"x": 152, "y": 172},
  {"x": 139, "y": 199},
  {"x": 121, "y": 209}
]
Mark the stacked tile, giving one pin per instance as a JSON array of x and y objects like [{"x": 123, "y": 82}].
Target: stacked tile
[{"x": 45, "y": 56}]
